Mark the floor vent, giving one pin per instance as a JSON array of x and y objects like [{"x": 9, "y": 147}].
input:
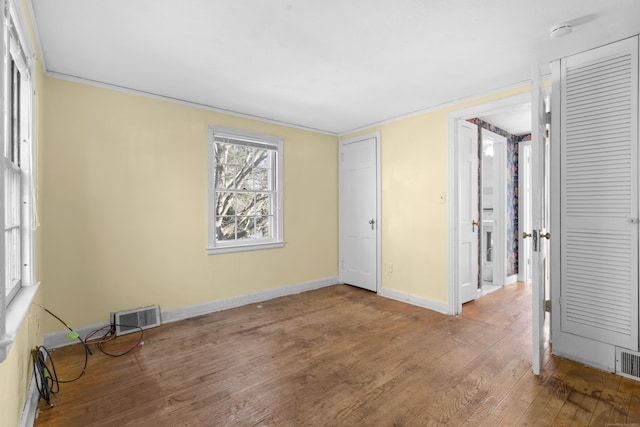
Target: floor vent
[
  {"x": 131, "y": 320},
  {"x": 628, "y": 363}
]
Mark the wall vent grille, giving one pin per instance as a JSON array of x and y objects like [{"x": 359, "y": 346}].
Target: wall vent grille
[
  {"x": 628, "y": 363},
  {"x": 130, "y": 320}
]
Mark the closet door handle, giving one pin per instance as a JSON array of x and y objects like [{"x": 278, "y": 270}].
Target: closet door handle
[
  {"x": 525, "y": 234},
  {"x": 474, "y": 224}
]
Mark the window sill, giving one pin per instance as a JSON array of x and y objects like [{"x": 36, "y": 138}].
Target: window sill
[
  {"x": 14, "y": 315},
  {"x": 244, "y": 248}
]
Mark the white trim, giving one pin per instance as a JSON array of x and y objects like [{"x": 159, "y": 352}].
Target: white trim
[
  {"x": 244, "y": 248},
  {"x": 59, "y": 339},
  {"x": 377, "y": 136},
  {"x": 20, "y": 24},
  {"x": 179, "y": 101},
  {"x": 440, "y": 307},
  {"x": 182, "y": 313},
  {"x": 555, "y": 330},
  {"x": 455, "y": 306},
  {"x": 30, "y": 410},
  {"x": 14, "y": 315}
]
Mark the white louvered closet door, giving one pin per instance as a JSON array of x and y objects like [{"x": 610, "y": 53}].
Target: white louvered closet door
[{"x": 599, "y": 194}]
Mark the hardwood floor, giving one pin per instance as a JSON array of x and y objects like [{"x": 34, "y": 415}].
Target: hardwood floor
[{"x": 341, "y": 356}]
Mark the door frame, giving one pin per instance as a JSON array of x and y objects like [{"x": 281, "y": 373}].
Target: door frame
[
  {"x": 455, "y": 305},
  {"x": 375, "y": 135}
]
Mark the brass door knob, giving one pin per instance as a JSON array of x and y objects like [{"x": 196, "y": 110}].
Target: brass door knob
[
  {"x": 525, "y": 234},
  {"x": 546, "y": 235}
]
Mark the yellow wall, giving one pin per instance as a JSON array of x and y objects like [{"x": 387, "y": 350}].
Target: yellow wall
[
  {"x": 414, "y": 163},
  {"x": 125, "y": 207},
  {"x": 16, "y": 369}
]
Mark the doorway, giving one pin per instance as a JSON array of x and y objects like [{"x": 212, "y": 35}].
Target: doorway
[
  {"x": 509, "y": 118},
  {"x": 359, "y": 212},
  {"x": 493, "y": 211}
]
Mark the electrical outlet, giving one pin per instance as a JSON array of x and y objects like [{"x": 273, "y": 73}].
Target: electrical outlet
[{"x": 442, "y": 198}]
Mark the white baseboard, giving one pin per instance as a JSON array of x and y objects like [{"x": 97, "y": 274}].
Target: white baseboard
[
  {"x": 28, "y": 418},
  {"x": 414, "y": 300},
  {"x": 59, "y": 339},
  {"x": 511, "y": 280},
  {"x": 182, "y": 313}
]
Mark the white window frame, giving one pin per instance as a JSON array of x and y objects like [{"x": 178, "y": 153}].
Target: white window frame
[
  {"x": 272, "y": 142},
  {"x": 17, "y": 46}
]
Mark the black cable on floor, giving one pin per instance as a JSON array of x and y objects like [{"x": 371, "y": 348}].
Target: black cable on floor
[
  {"x": 110, "y": 335},
  {"x": 72, "y": 334},
  {"x": 46, "y": 379}
]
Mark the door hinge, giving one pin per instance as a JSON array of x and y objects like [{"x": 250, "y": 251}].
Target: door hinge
[{"x": 342, "y": 156}]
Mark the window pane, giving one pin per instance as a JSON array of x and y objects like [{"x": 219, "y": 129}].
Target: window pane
[
  {"x": 223, "y": 152},
  {"x": 225, "y": 177},
  {"x": 263, "y": 226},
  {"x": 243, "y": 156},
  {"x": 244, "y": 177},
  {"x": 245, "y": 204},
  {"x": 246, "y": 227},
  {"x": 225, "y": 203},
  {"x": 263, "y": 158},
  {"x": 226, "y": 228},
  {"x": 261, "y": 179},
  {"x": 263, "y": 204},
  {"x": 15, "y": 114}
]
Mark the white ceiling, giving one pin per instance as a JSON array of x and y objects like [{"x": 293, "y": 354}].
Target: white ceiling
[{"x": 329, "y": 65}]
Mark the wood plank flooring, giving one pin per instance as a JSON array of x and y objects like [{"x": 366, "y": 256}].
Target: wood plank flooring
[{"x": 341, "y": 356}]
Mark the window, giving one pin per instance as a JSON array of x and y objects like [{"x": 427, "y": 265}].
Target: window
[
  {"x": 245, "y": 191},
  {"x": 12, "y": 189},
  {"x": 17, "y": 180}
]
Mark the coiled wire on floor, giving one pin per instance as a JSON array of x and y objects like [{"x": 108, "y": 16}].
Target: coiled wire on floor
[{"x": 46, "y": 377}]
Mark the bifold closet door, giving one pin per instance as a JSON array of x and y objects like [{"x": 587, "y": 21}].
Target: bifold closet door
[{"x": 599, "y": 194}]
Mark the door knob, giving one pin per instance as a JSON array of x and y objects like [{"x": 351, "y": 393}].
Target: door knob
[
  {"x": 546, "y": 235},
  {"x": 525, "y": 234},
  {"x": 474, "y": 224},
  {"x": 371, "y": 222}
]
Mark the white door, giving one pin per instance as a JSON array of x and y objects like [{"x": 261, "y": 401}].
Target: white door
[
  {"x": 358, "y": 212},
  {"x": 599, "y": 194},
  {"x": 496, "y": 208},
  {"x": 467, "y": 142},
  {"x": 539, "y": 234}
]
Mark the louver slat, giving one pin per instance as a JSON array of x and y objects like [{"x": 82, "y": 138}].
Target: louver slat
[{"x": 599, "y": 194}]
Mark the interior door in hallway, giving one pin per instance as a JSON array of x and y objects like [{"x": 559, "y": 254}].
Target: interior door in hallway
[
  {"x": 358, "y": 212},
  {"x": 468, "y": 220}
]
